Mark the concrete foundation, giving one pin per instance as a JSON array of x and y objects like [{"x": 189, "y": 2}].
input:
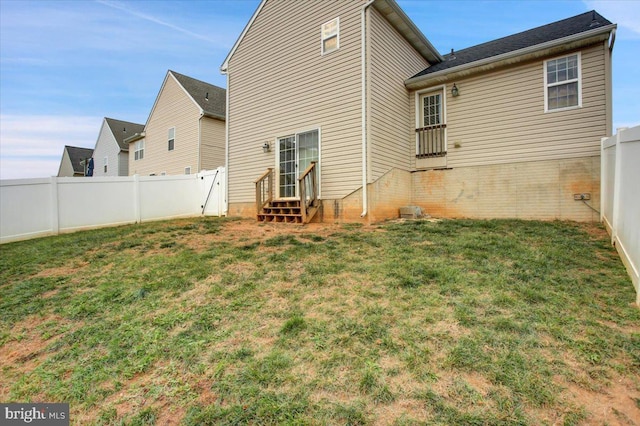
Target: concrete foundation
[{"x": 541, "y": 190}]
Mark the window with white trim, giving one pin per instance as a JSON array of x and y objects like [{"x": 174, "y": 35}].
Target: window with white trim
[
  {"x": 330, "y": 34},
  {"x": 105, "y": 163},
  {"x": 171, "y": 138},
  {"x": 562, "y": 83},
  {"x": 431, "y": 131},
  {"x": 187, "y": 170},
  {"x": 139, "y": 150}
]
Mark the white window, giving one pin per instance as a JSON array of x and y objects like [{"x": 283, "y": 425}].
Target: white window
[
  {"x": 171, "y": 138},
  {"x": 139, "y": 150},
  {"x": 431, "y": 129},
  {"x": 562, "y": 83},
  {"x": 187, "y": 170},
  {"x": 330, "y": 36},
  {"x": 105, "y": 163}
]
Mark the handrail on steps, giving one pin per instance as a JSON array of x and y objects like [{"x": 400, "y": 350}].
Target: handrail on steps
[
  {"x": 308, "y": 190},
  {"x": 264, "y": 189}
]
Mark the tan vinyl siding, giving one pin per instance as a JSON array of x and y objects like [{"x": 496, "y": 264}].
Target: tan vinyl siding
[
  {"x": 279, "y": 84},
  {"x": 173, "y": 108},
  {"x": 106, "y": 146},
  {"x": 212, "y": 137},
  {"x": 499, "y": 117},
  {"x": 391, "y": 61},
  {"x": 66, "y": 168}
]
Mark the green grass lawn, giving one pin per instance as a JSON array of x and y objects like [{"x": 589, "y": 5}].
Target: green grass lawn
[{"x": 222, "y": 321}]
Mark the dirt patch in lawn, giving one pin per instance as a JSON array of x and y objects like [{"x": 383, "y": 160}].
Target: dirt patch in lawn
[{"x": 26, "y": 348}]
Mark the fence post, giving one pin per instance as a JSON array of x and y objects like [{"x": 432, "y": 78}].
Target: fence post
[
  {"x": 603, "y": 177},
  {"x": 136, "y": 199},
  {"x": 55, "y": 214},
  {"x": 616, "y": 187}
]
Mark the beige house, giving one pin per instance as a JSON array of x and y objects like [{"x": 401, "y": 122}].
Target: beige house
[
  {"x": 185, "y": 131},
  {"x": 74, "y": 161},
  {"x": 111, "y": 153},
  {"x": 348, "y": 107}
]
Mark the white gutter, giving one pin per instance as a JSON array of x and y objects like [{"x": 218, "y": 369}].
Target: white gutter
[
  {"x": 415, "y": 82},
  {"x": 363, "y": 47}
]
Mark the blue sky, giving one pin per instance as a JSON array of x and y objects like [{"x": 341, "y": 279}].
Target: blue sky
[{"x": 64, "y": 65}]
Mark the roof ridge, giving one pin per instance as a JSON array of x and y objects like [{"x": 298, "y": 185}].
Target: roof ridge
[
  {"x": 538, "y": 28},
  {"x": 195, "y": 79}
]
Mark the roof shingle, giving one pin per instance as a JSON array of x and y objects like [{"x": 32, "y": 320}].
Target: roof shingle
[
  {"x": 546, "y": 33},
  {"x": 212, "y": 99},
  {"x": 122, "y": 130},
  {"x": 76, "y": 155}
]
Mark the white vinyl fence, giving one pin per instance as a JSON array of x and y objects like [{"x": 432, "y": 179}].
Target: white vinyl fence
[
  {"x": 32, "y": 208},
  {"x": 620, "y": 199}
]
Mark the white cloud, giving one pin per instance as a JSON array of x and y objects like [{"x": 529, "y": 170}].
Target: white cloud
[
  {"x": 625, "y": 13},
  {"x": 31, "y": 146},
  {"x": 150, "y": 18}
]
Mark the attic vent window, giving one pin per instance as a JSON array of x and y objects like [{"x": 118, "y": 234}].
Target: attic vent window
[
  {"x": 330, "y": 34},
  {"x": 171, "y": 138}
]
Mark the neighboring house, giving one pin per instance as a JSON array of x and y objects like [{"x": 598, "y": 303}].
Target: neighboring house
[
  {"x": 185, "y": 131},
  {"x": 111, "y": 154},
  {"x": 509, "y": 128},
  {"x": 74, "y": 161}
]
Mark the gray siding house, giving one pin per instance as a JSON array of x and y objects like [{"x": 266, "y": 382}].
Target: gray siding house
[{"x": 111, "y": 153}]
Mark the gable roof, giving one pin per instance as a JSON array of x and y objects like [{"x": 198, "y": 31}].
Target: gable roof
[
  {"x": 211, "y": 99},
  {"x": 122, "y": 130},
  {"x": 391, "y": 12},
  {"x": 583, "y": 25},
  {"x": 76, "y": 155}
]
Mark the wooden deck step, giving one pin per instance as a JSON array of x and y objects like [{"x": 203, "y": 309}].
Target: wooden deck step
[{"x": 281, "y": 211}]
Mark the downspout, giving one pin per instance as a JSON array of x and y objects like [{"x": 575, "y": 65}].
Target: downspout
[
  {"x": 363, "y": 58},
  {"x": 225, "y": 212},
  {"x": 199, "y": 165}
]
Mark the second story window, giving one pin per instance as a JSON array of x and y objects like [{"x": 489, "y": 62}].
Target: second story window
[
  {"x": 562, "y": 83},
  {"x": 105, "y": 163},
  {"x": 139, "y": 150},
  {"x": 330, "y": 36},
  {"x": 172, "y": 138}
]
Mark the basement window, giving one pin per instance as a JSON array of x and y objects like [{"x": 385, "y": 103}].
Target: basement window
[
  {"x": 562, "y": 81},
  {"x": 330, "y": 36}
]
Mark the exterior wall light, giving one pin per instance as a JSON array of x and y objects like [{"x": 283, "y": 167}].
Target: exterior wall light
[
  {"x": 454, "y": 91},
  {"x": 266, "y": 147}
]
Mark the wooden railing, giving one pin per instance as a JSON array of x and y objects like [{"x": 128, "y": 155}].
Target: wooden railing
[
  {"x": 308, "y": 190},
  {"x": 264, "y": 190},
  {"x": 431, "y": 141}
]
